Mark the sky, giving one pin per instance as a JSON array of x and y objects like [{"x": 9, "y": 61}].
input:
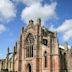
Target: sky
[{"x": 56, "y": 15}]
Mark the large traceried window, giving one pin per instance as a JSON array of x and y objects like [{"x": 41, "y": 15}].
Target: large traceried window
[{"x": 29, "y": 43}]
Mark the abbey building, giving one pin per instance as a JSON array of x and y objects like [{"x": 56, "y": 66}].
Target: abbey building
[{"x": 37, "y": 50}]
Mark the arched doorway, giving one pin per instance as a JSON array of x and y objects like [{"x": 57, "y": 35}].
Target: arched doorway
[{"x": 29, "y": 69}]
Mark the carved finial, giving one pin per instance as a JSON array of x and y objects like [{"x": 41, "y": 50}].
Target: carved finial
[
  {"x": 30, "y": 21},
  {"x": 22, "y": 29},
  {"x": 55, "y": 34},
  {"x": 8, "y": 50},
  {"x": 39, "y": 21},
  {"x": 14, "y": 49},
  {"x": 66, "y": 46},
  {"x": 16, "y": 44},
  {"x": 21, "y": 37},
  {"x": 30, "y": 24}
]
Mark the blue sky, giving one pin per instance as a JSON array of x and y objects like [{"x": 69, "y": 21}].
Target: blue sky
[{"x": 56, "y": 15}]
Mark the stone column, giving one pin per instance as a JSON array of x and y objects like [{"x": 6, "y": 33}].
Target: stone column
[
  {"x": 13, "y": 59},
  {"x": 49, "y": 55},
  {"x": 37, "y": 43},
  {"x": 67, "y": 57},
  {"x": 20, "y": 55},
  {"x": 55, "y": 55}
]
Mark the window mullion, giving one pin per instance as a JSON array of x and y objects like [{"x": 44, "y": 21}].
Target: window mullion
[{"x": 31, "y": 50}]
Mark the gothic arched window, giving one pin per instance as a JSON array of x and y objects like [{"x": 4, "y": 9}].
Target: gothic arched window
[
  {"x": 29, "y": 42},
  {"x": 45, "y": 59}
]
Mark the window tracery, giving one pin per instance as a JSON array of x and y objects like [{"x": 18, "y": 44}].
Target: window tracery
[{"x": 29, "y": 43}]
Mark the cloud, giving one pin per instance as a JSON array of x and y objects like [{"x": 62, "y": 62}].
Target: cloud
[
  {"x": 65, "y": 28},
  {"x": 2, "y": 28},
  {"x": 67, "y": 35},
  {"x": 7, "y": 9},
  {"x": 28, "y": 2},
  {"x": 38, "y": 11},
  {"x": 52, "y": 28},
  {"x": 67, "y": 25}
]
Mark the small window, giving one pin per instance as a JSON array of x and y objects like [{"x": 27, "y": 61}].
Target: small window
[
  {"x": 45, "y": 59},
  {"x": 45, "y": 42}
]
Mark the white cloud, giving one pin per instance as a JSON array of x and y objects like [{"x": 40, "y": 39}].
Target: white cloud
[
  {"x": 2, "y": 28},
  {"x": 67, "y": 25},
  {"x": 66, "y": 28},
  {"x": 52, "y": 28},
  {"x": 38, "y": 11},
  {"x": 28, "y": 2},
  {"x": 7, "y": 9},
  {"x": 67, "y": 35}
]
